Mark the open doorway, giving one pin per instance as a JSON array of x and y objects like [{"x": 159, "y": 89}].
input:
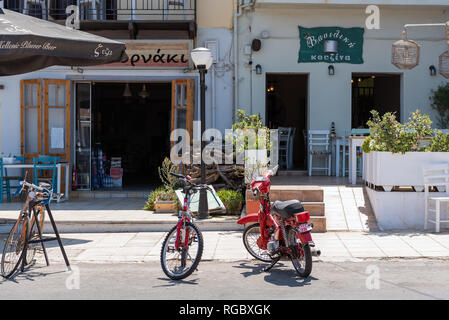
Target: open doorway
[
  {"x": 131, "y": 130},
  {"x": 374, "y": 91},
  {"x": 286, "y": 107}
]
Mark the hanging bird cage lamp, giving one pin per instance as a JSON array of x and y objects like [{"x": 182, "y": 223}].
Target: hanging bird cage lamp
[
  {"x": 405, "y": 53},
  {"x": 444, "y": 64}
]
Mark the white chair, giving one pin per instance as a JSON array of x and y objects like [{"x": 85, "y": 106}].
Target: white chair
[
  {"x": 42, "y": 3},
  {"x": 283, "y": 143},
  {"x": 174, "y": 5},
  {"x": 318, "y": 146},
  {"x": 291, "y": 139},
  {"x": 436, "y": 176}
]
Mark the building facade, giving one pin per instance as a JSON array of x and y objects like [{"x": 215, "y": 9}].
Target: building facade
[
  {"x": 285, "y": 74},
  {"x": 120, "y": 115}
]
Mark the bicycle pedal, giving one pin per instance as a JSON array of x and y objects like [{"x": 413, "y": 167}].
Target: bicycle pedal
[{"x": 171, "y": 249}]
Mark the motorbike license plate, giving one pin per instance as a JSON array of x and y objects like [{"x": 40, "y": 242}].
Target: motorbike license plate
[{"x": 302, "y": 228}]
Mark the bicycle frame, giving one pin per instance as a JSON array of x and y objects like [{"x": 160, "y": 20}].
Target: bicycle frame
[{"x": 185, "y": 216}]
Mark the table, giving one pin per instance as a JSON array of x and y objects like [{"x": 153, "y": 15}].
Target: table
[
  {"x": 340, "y": 142},
  {"x": 58, "y": 171},
  {"x": 354, "y": 142}
]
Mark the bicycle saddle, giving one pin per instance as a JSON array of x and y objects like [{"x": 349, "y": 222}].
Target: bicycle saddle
[{"x": 287, "y": 209}]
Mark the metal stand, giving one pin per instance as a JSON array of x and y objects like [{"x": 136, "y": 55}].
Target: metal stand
[{"x": 41, "y": 240}]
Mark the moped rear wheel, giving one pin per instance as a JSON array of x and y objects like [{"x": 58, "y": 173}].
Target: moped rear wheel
[
  {"x": 250, "y": 237},
  {"x": 301, "y": 255},
  {"x": 180, "y": 263}
]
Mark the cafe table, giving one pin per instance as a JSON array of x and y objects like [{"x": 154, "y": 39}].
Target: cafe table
[
  {"x": 354, "y": 142},
  {"x": 58, "y": 173}
]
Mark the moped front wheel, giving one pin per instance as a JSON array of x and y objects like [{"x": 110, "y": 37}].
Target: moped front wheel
[
  {"x": 179, "y": 263},
  {"x": 250, "y": 236}
]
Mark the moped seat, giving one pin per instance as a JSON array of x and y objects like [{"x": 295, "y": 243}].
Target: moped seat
[{"x": 287, "y": 209}]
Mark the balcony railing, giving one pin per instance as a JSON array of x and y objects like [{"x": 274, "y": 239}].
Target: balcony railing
[{"x": 107, "y": 10}]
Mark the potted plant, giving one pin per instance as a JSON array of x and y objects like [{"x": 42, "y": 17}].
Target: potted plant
[
  {"x": 232, "y": 200},
  {"x": 164, "y": 199},
  {"x": 396, "y": 153},
  {"x": 252, "y": 140}
]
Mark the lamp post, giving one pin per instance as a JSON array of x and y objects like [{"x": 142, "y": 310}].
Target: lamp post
[{"x": 202, "y": 58}]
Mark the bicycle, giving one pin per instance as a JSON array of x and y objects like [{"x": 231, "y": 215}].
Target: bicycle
[
  {"x": 26, "y": 234},
  {"x": 183, "y": 246}
]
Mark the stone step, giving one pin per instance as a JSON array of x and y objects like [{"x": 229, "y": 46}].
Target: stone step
[
  {"x": 319, "y": 223},
  {"x": 301, "y": 193},
  {"x": 300, "y": 173}
]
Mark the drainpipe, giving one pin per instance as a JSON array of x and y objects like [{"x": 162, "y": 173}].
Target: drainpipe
[
  {"x": 238, "y": 11},
  {"x": 237, "y": 14},
  {"x": 213, "y": 96}
]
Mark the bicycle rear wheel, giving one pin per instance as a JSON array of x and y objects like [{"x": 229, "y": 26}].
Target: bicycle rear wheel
[
  {"x": 12, "y": 251},
  {"x": 179, "y": 263}
]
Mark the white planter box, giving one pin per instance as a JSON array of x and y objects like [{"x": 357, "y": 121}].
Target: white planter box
[
  {"x": 387, "y": 169},
  {"x": 398, "y": 210}
]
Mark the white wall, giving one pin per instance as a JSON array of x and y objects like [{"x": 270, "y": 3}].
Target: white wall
[
  {"x": 223, "y": 79},
  {"x": 330, "y": 96}
]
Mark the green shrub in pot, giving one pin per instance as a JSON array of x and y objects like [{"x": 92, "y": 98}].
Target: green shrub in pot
[{"x": 232, "y": 200}]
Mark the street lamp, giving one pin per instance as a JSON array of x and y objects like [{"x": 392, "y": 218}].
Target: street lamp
[{"x": 202, "y": 58}]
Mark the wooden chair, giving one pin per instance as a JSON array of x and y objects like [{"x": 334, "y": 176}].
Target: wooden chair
[
  {"x": 42, "y": 166},
  {"x": 436, "y": 176},
  {"x": 318, "y": 145},
  {"x": 7, "y": 179}
]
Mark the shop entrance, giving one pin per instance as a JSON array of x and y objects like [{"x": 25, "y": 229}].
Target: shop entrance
[
  {"x": 130, "y": 132},
  {"x": 381, "y": 92},
  {"x": 286, "y": 107},
  {"x": 122, "y": 132}
]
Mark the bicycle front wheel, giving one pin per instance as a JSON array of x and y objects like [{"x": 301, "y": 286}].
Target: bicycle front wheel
[
  {"x": 179, "y": 263},
  {"x": 33, "y": 247},
  {"x": 12, "y": 251}
]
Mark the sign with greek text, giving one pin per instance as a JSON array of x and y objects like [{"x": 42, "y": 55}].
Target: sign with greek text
[
  {"x": 156, "y": 54},
  {"x": 331, "y": 45}
]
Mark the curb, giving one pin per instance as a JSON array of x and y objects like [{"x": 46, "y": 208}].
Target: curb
[{"x": 126, "y": 226}]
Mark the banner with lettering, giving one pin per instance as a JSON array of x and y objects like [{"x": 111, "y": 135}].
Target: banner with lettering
[{"x": 348, "y": 45}]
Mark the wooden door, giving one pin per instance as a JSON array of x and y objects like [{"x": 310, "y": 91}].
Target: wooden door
[
  {"x": 183, "y": 105},
  {"x": 30, "y": 118},
  {"x": 57, "y": 118}
]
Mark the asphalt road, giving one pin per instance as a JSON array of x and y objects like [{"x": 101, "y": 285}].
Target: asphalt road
[{"x": 376, "y": 279}]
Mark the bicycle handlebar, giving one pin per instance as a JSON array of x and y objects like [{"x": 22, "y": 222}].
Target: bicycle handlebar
[
  {"x": 33, "y": 187},
  {"x": 187, "y": 179}
]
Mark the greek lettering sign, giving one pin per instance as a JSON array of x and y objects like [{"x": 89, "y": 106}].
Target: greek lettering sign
[
  {"x": 156, "y": 54},
  {"x": 349, "y": 45}
]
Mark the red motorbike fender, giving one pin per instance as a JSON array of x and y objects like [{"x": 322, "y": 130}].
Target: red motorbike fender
[
  {"x": 251, "y": 218},
  {"x": 305, "y": 237}
]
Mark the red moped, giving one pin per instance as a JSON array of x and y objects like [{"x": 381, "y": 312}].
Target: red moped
[{"x": 280, "y": 230}]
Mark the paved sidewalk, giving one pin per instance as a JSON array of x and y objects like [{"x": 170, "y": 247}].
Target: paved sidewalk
[{"x": 228, "y": 246}]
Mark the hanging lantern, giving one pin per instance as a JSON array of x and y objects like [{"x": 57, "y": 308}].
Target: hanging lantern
[
  {"x": 405, "y": 53},
  {"x": 444, "y": 64}
]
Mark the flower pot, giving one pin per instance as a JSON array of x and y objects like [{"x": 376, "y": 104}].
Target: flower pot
[{"x": 164, "y": 206}]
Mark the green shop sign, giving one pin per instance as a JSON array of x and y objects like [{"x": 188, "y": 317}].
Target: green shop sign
[{"x": 331, "y": 45}]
